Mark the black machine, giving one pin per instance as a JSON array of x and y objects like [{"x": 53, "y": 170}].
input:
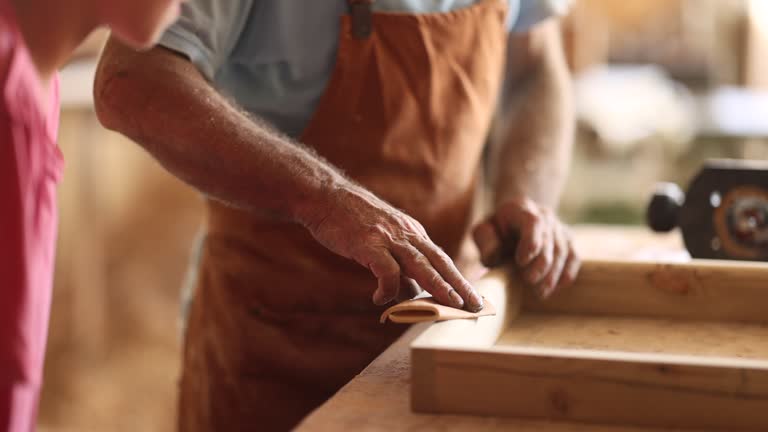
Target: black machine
[{"x": 724, "y": 214}]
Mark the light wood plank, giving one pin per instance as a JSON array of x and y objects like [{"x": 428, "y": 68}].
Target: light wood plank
[
  {"x": 699, "y": 290},
  {"x": 555, "y": 385},
  {"x": 644, "y": 335}
]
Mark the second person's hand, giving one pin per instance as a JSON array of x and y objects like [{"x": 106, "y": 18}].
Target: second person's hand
[{"x": 533, "y": 236}]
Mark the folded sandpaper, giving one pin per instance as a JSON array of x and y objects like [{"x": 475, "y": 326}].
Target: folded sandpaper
[{"x": 427, "y": 309}]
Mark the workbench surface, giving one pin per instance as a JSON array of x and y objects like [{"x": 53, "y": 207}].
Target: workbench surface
[{"x": 378, "y": 399}]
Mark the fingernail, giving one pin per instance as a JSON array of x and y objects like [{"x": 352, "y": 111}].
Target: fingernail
[
  {"x": 458, "y": 302},
  {"x": 545, "y": 291},
  {"x": 527, "y": 258},
  {"x": 477, "y": 303}
]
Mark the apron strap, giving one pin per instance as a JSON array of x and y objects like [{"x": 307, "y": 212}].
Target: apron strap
[{"x": 362, "y": 22}]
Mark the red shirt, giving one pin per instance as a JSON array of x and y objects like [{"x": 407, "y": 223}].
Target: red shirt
[{"x": 30, "y": 166}]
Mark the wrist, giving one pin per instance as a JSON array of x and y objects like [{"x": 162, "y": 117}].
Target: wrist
[
  {"x": 524, "y": 200},
  {"x": 314, "y": 206}
]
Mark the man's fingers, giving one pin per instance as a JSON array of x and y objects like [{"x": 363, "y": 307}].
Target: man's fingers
[
  {"x": 533, "y": 239},
  {"x": 387, "y": 271},
  {"x": 417, "y": 266},
  {"x": 560, "y": 256},
  {"x": 570, "y": 271},
  {"x": 542, "y": 262},
  {"x": 408, "y": 289},
  {"x": 488, "y": 243},
  {"x": 473, "y": 302}
]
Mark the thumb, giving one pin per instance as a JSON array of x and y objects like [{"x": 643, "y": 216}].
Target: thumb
[
  {"x": 488, "y": 243},
  {"x": 387, "y": 271}
]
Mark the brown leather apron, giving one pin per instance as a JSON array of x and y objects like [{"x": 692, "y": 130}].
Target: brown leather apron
[{"x": 279, "y": 323}]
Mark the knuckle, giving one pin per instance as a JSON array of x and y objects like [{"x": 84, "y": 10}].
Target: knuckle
[
  {"x": 411, "y": 225},
  {"x": 436, "y": 281},
  {"x": 530, "y": 217},
  {"x": 422, "y": 261},
  {"x": 534, "y": 272},
  {"x": 413, "y": 255},
  {"x": 418, "y": 226},
  {"x": 414, "y": 260},
  {"x": 377, "y": 233},
  {"x": 536, "y": 241},
  {"x": 559, "y": 254},
  {"x": 440, "y": 253},
  {"x": 519, "y": 202},
  {"x": 547, "y": 260}
]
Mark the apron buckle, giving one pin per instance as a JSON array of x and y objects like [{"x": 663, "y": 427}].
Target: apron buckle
[{"x": 362, "y": 20}]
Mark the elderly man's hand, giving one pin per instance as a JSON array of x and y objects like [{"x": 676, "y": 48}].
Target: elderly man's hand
[
  {"x": 354, "y": 223},
  {"x": 540, "y": 244}
]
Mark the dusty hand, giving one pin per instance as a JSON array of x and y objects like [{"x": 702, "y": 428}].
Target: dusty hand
[
  {"x": 540, "y": 243},
  {"x": 354, "y": 223}
]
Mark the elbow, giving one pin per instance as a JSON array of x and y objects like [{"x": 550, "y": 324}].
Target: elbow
[
  {"x": 119, "y": 88},
  {"x": 109, "y": 97}
]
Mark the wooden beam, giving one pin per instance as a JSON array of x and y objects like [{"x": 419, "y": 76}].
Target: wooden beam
[
  {"x": 628, "y": 389},
  {"x": 697, "y": 290}
]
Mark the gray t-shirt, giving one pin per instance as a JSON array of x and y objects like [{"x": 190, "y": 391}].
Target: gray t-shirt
[{"x": 275, "y": 57}]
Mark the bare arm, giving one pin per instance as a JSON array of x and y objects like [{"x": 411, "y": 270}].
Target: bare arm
[
  {"x": 530, "y": 163},
  {"x": 162, "y": 102},
  {"x": 533, "y": 155}
]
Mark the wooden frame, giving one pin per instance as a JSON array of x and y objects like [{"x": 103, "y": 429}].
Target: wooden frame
[{"x": 633, "y": 343}]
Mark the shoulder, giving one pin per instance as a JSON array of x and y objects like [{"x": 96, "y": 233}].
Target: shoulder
[
  {"x": 207, "y": 31},
  {"x": 527, "y": 13}
]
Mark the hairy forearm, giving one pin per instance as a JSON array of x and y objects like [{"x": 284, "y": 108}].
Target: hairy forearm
[
  {"x": 161, "y": 101},
  {"x": 533, "y": 151}
]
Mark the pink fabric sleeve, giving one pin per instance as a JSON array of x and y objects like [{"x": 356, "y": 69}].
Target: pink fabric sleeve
[{"x": 30, "y": 167}]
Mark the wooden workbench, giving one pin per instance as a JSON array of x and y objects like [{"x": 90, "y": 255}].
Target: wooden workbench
[{"x": 378, "y": 399}]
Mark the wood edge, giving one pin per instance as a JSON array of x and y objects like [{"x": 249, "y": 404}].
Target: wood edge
[
  {"x": 627, "y": 357},
  {"x": 481, "y": 331},
  {"x": 656, "y": 289},
  {"x": 696, "y": 263}
]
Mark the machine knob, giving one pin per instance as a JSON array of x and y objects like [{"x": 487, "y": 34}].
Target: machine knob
[{"x": 664, "y": 208}]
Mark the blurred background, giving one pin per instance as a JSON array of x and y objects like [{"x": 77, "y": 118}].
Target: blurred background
[{"x": 661, "y": 85}]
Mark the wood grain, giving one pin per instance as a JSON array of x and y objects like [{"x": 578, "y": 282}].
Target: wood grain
[
  {"x": 643, "y": 335},
  {"x": 632, "y": 343},
  {"x": 379, "y": 400},
  {"x": 698, "y": 290},
  {"x": 628, "y": 390}
]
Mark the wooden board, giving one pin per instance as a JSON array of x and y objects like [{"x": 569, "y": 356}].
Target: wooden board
[
  {"x": 633, "y": 343},
  {"x": 700, "y": 289},
  {"x": 378, "y": 400}
]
